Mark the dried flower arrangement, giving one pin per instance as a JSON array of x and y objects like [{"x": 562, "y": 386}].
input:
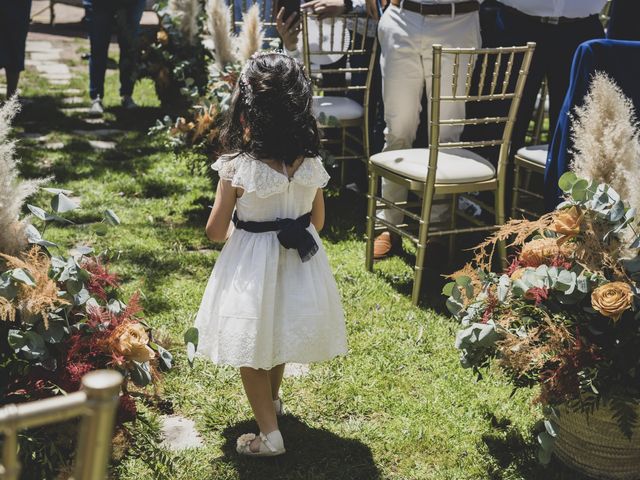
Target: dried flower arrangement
[
  {"x": 62, "y": 314},
  {"x": 564, "y": 316},
  {"x": 228, "y": 52}
]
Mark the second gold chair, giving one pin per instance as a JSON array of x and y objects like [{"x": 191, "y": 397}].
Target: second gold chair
[{"x": 458, "y": 170}]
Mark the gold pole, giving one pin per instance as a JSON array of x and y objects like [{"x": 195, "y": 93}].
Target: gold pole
[
  {"x": 94, "y": 439},
  {"x": 10, "y": 468}
]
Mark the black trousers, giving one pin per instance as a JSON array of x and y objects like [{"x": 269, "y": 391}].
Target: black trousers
[{"x": 555, "y": 46}]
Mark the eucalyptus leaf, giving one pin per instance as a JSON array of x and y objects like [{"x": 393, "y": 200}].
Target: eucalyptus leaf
[
  {"x": 191, "y": 341},
  {"x": 140, "y": 373},
  {"x": 566, "y": 181},
  {"x": 111, "y": 217},
  {"x": 61, "y": 203},
  {"x": 23, "y": 276},
  {"x": 100, "y": 229}
]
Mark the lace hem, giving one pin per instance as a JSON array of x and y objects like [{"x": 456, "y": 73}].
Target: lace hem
[{"x": 256, "y": 176}]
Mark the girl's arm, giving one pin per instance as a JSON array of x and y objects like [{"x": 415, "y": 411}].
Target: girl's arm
[
  {"x": 220, "y": 217},
  {"x": 317, "y": 211}
]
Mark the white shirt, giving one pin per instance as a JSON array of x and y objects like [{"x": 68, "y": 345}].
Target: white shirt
[{"x": 557, "y": 8}]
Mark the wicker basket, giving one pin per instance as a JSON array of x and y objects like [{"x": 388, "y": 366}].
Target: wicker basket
[{"x": 595, "y": 446}]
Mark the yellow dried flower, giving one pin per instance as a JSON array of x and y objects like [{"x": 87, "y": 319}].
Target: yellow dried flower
[
  {"x": 162, "y": 37},
  {"x": 612, "y": 299},
  {"x": 539, "y": 251}
]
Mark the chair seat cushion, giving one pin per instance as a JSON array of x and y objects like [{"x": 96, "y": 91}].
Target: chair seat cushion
[
  {"x": 455, "y": 165},
  {"x": 535, "y": 153},
  {"x": 342, "y": 108}
]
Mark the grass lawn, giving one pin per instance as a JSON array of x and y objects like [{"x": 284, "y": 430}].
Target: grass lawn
[{"x": 398, "y": 407}]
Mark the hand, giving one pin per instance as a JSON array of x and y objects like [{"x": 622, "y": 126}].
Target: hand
[
  {"x": 288, "y": 29},
  {"x": 325, "y": 8}
]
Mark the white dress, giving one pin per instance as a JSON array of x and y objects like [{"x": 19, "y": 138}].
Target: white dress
[{"x": 263, "y": 306}]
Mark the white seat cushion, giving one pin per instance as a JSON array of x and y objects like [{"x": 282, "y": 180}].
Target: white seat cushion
[
  {"x": 455, "y": 165},
  {"x": 342, "y": 108},
  {"x": 535, "y": 153}
]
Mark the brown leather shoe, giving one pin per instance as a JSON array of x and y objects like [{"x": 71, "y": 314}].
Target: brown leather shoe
[{"x": 385, "y": 245}]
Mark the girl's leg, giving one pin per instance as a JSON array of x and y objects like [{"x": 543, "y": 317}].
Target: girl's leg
[
  {"x": 275, "y": 376},
  {"x": 257, "y": 386}
]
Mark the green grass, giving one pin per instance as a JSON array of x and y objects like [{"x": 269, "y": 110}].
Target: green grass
[{"x": 399, "y": 406}]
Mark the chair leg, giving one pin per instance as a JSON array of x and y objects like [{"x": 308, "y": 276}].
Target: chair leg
[
  {"x": 421, "y": 254},
  {"x": 452, "y": 224},
  {"x": 516, "y": 191},
  {"x": 502, "y": 248},
  {"x": 371, "y": 219}
]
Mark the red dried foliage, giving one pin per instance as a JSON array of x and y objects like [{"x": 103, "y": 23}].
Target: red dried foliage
[
  {"x": 127, "y": 409},
  {"x": 492, "y": 303},
  {"x": 513, "y": 266},
  {"x": 100, "y": 279},
  {"x": 537, "y": 294},
  {"x": 560, "y": 382}
]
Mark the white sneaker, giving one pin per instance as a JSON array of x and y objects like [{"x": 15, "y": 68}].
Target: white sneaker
[
  {"x": 128, "y": 103},
  {"x": 96, "y": 107}
]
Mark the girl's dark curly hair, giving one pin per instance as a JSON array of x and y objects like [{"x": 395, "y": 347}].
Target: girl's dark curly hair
[{"x": 273, "y": 98}]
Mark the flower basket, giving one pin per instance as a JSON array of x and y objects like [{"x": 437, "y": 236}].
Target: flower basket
[{"x": 594, "y": 445}]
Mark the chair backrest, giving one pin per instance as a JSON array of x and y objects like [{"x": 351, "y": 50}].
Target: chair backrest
[
  {"x": 96, "y": 403},
  {"x": 340, "y": 43},
  {"x": 502, "y": 75},
  {"x": 267, "y": 16}
]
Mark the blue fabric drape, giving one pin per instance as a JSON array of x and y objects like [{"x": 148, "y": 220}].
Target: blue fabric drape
[{"x": 621, "y": 61}]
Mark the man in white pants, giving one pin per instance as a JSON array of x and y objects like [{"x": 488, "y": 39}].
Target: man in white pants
[{"x": 407, "y": 31}]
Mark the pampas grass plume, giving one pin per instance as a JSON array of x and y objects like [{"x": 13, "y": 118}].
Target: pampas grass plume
[
  {"x": 251, "y": 35},
  {"x": 13, "y": 190},
  {"x": 186, "y": 12},
  {"x": 219, "y": 24},
  {"x": 607, "y": 140}
]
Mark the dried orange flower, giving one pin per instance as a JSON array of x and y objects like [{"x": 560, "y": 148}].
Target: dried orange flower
[
  {"x": 612, "y": 299},
  {"x": 539, "y": 251},
  {"x": 567, "y": 222},
  {"x": 131, "y": 341},
  {"x": 518, "y": 273},
  {"x": 162, "y": 37}
]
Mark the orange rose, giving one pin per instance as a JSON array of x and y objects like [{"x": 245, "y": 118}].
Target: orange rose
[
  {"x": 131, "y": 341},
  {"x": 567, "y": 222},
  {"x": 612, "y": 299}
]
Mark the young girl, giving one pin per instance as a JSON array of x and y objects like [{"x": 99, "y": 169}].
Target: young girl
[{"x": 271, "y": 298}]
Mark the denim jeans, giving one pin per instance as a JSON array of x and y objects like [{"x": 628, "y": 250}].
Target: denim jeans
[{"x": 125, "y": 15}]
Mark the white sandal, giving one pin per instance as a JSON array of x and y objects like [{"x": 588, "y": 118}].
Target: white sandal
[
  {"x": 271, "y": 445},
  {"x": 279, "y": 406}
]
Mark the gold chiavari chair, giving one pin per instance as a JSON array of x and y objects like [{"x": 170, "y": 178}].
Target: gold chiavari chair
[
  {"x": 342, "y": 37},
  {"x": 267, "y": 16},
  {"x": 96, "y": 403},
  {"x": 531, "y": 160},
  {"x": 459, "y": 171}
]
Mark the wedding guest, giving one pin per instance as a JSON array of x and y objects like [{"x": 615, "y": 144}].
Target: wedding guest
[
  {"x": 407, "y": 31},
  {"x": 107, "y": 15},
  {"x": 623, "y": 22},
  {"x": 14, "y": 25},
  {"x": 557, "y": 28}
]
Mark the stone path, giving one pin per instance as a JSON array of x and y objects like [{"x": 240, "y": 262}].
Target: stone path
[
  {"x": 45, "y": 58},
  {"x": 179, "y": 433}
]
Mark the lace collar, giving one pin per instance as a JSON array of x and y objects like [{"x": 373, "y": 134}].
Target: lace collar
[{"x": 256, "y": 176}]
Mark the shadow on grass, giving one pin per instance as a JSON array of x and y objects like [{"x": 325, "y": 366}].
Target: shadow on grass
[
  {"x": 311, "y": 453},
  {"x": 513, "y": 453}
]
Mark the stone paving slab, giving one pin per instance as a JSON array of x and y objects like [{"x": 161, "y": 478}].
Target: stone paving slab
[
  {"x": 38, "y": 46},
  {"x": 102, "y": 145},
  {"x": 101, "y": 132},
  {"x": 53, "y": 54},
  {"x": 53, "y": 68},
  {"x": 179, "y": 433},
  {"x": 73, "y": 100}
]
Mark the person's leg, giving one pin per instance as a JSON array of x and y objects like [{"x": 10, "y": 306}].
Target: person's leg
[
  {"x": 13, "y": 77},
  {"x": 257, "y": 386},
  {"x": 128, "y": 31},
  {"x": 567, "y": 39},
  {"x": 99, "y": 37},
  {"x": 275, "y": 377},
  {"x": 402, "y": 86}
]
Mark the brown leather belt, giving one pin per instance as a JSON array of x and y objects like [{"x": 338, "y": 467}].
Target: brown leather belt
[{"x": 437, "y": 8}]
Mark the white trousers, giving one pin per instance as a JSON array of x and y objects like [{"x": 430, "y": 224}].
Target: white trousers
[{"x": 406, "y": 41}]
